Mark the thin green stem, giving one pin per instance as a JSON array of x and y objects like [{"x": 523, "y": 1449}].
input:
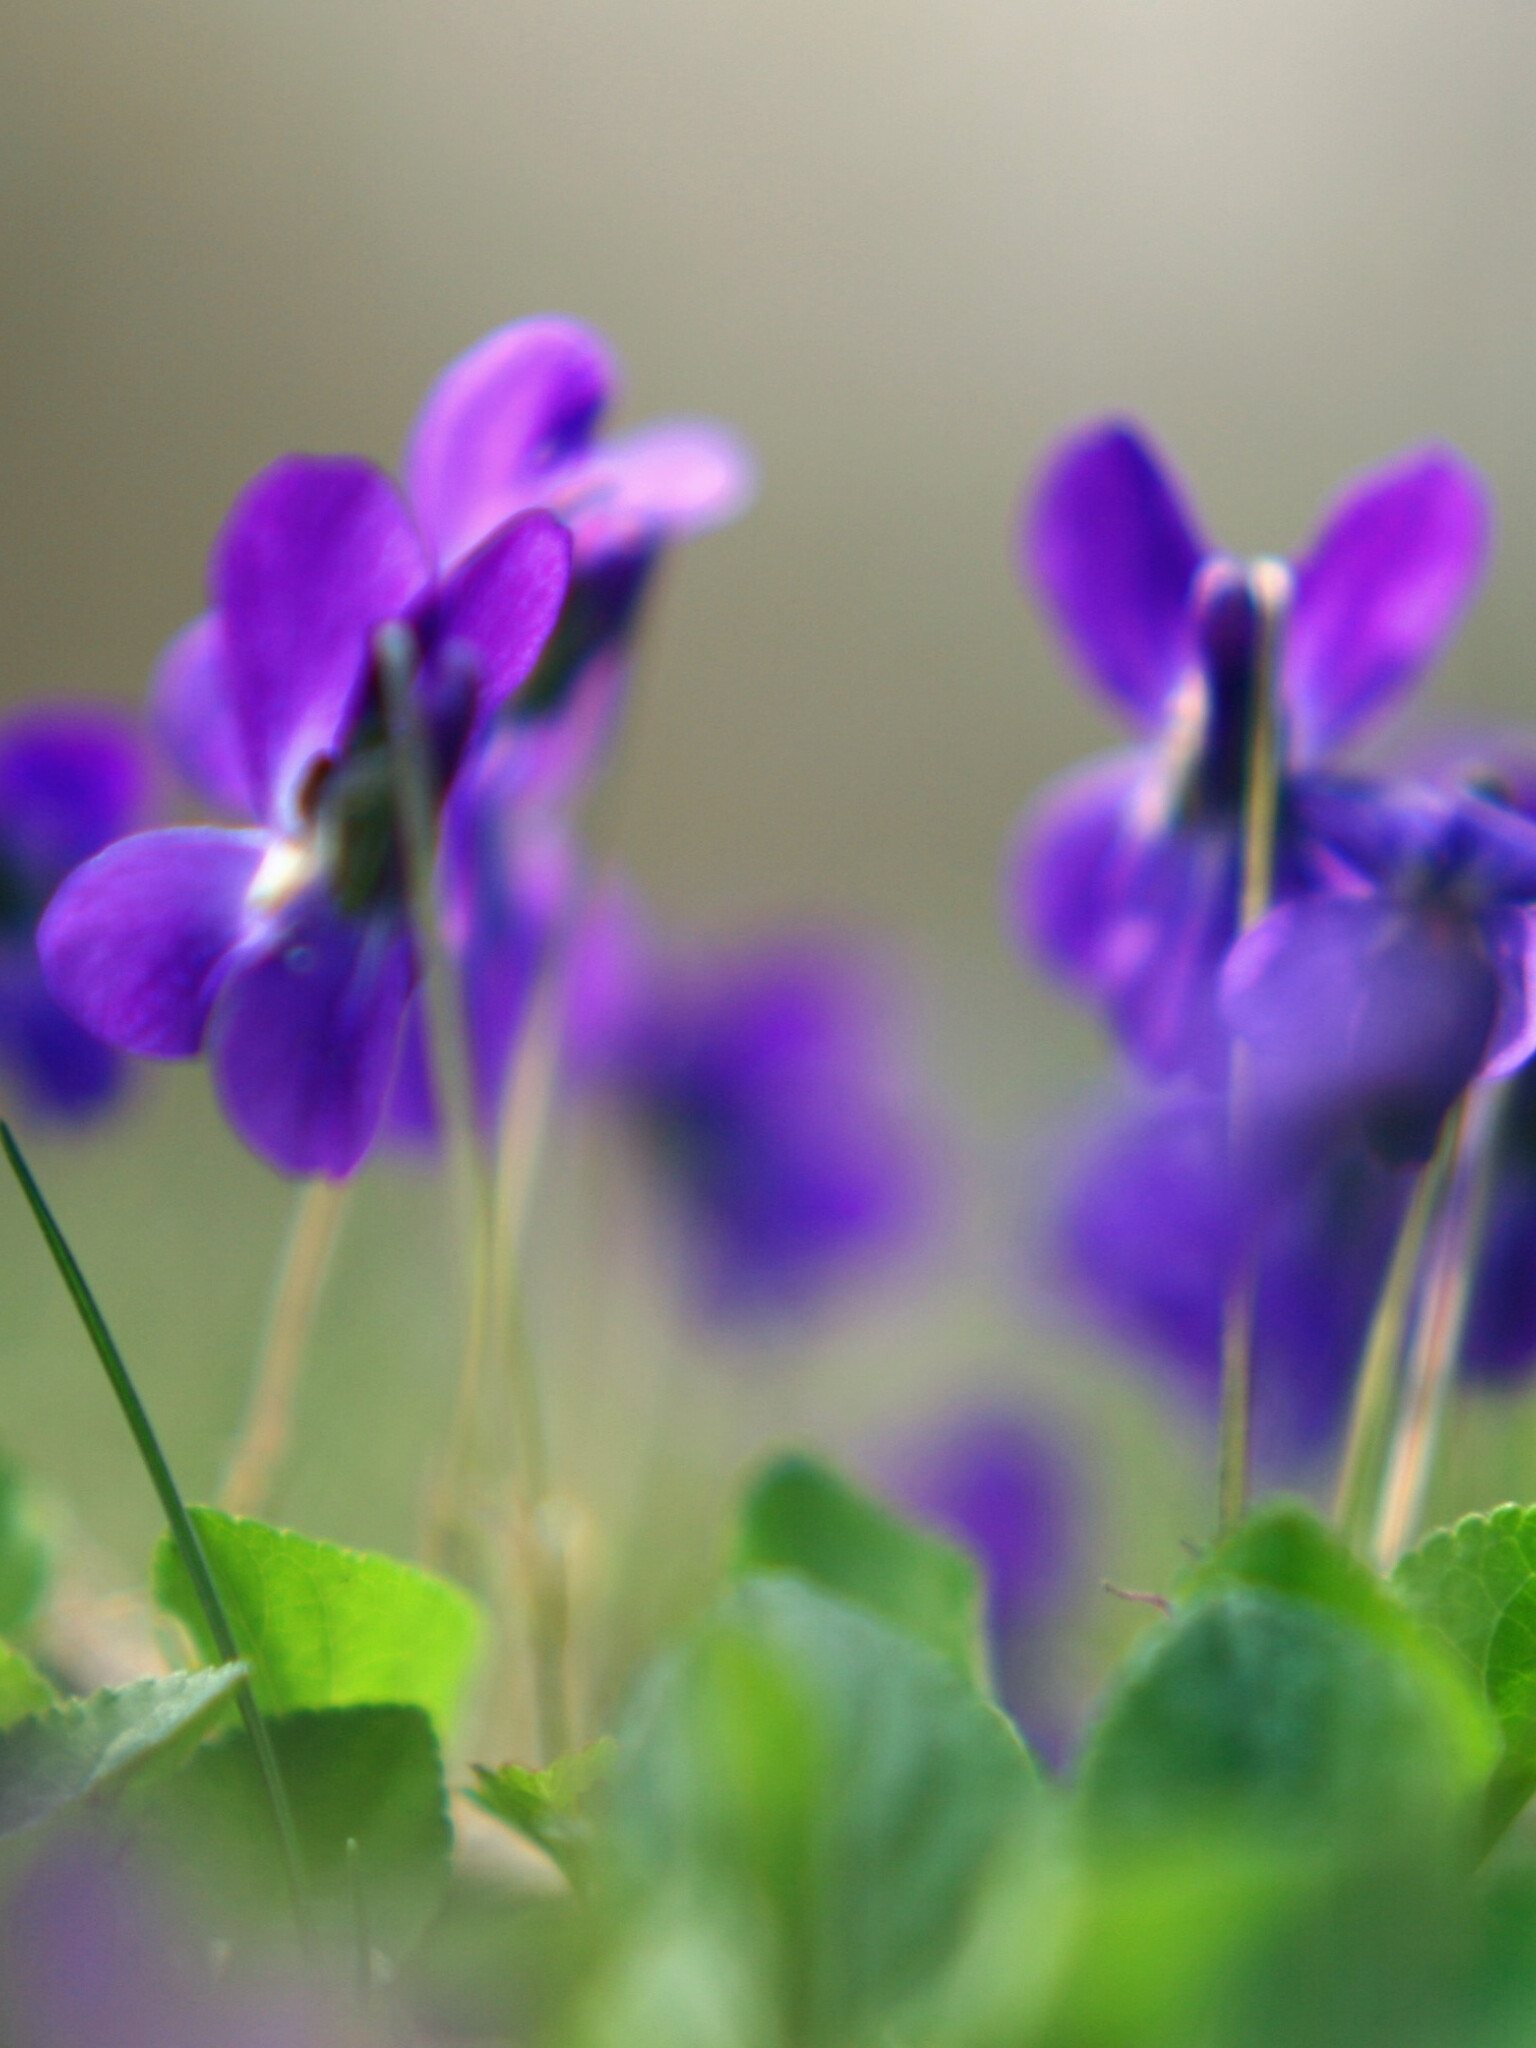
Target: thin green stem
[
  {"x": 1377, "y": 1382},
  {"x": 1269, "y": 587},
  {"x": 1438, "y": 1330},
  {"x": 417, "y": 803},
  {"x": 268, "y": 1424},
  {"x": 183, "y": 1530}
]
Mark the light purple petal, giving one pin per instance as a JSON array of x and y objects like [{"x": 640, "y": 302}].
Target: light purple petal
[
  {"x": 193, "y": 713},
  {"x": 1111, "y": 547},
  {"x": 499, "y": 422},
  {"x": 504, "y": 601},
  {"x": 71, "y": 779},
  {"x": 317, "y": 553},
  {"x": 134, "y": 942},
  {"x": 661, "y": 483},
  {"x": 306, "y": 1032},
  {"x": 1380, "y": 591},
  {"x": 1067, "y": 864},
  {"x": 1361, "y": 1013}
]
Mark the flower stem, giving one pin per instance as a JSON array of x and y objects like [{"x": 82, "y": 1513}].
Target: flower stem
[
  {"x": 183, "y": 1530},
  {"x": 268, "y": 1423},
  {"x": 417, "y": 803},
  {"x": 1438, "y": 1330},
  {"x": 1376, "y": 1383},
  {"x": 1269, "y": 588}
]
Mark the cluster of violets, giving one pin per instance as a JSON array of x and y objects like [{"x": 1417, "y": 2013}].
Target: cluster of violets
[
  {"x": 1293, "y": 1061},
  {"x": 507, "y": 574}
]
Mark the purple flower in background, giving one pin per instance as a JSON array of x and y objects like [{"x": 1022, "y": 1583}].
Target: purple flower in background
[
  {"x": 1151, "y": 1215},
  {"x": 1125, "y": 878},
  {"x": 771, "y": 1098},
  {"x": 1368, "y": 1011},
  {"x": 285, "y": 950},
  {"x": 91, "y": 1956},
  {"x": 71, "y": 780},
  {"x": 1009, "y": 1491}
]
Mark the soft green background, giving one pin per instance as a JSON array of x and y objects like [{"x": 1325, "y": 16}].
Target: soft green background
[{"x": 902, "y": 245}]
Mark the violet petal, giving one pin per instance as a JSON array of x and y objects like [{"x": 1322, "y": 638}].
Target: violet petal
[
  {"x": 498, "y": 422},
  {"x": 58, "y": 1068},
  {"x": 71, "y": 779},
  {"x": 1380, "y": 591},
  {"x": 1111, "y": 546},
  {"x": 504, "y": 601},
  {"x": 306, "y": 1031},
  {"x": 317, "y": 553},
  {"x": 133, "y": 943},
  {"x": 193, "y": 713}
]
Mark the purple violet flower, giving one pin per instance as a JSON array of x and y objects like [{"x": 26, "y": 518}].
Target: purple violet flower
[
  {"x": 1010, "y": 1492},
  {"x": 285, "y": 950},
  {"x": 1150, "y": 1219},
  {"x": 1125, "y": 876},
  {"x": 771, "y": 1100},
  {"x": 512, "y": 426},
  {"x": 71, "y": 780},
  {"x": 1369, "y": 1010}
]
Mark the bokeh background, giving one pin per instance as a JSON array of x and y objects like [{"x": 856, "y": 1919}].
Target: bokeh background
[{"x": 902, "y": 246}]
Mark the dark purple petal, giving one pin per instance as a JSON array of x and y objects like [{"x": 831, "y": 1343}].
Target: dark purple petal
[
  {"x": 501, "y": 421},
  {"x": 1111, "y": 548},
  {"x": 306, "y": 1032},
  {"x": 58, "y": 1068},
  {"x": 1010, "y": 1493},
  {"x": 1380, "y": 592},
  {"x": 1150, "y": 1219},
  {"x": 504, "y": 601},
  {"x": 135, "y": 941},
  {"x": 193, "y": 712},
  {"x": 1134, "y": 914},
  {"x": 316, "y": 554},
  {"x": 1362, "y": 1014},
  {"x": 70, "y": 781}
]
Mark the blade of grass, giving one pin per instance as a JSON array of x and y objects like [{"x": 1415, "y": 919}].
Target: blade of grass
[{"x": 183, "y": 1530}]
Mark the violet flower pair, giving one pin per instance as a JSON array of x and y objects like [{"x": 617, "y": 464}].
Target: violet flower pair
[{"x": 1391, "y": 972}]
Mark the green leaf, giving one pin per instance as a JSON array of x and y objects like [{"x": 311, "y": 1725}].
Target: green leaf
[
  {"x": 1474, "y": 1585},
  {"x": 833, "y": 1786},
  {"x": 546, "y": 1805},
  {"x": 23, "y": 1688},
  {"x": 24, "y": 1554},
  {"x": 87, "y": 1747},
  {"x": 800, "y": 1516},
  {"x": 321, "y": 1626},
  {"x": 371, "y": 1775},
  {"x": 1256, "y": 1710},
  {"x": 1286, "y": 1548}
]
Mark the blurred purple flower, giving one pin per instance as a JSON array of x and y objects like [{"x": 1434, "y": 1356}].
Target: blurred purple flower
[
  {"x": 71, "y": 780},
  {"x": 1151, "y": 1217},
  {"x": 1499, "y": 1344},
  {"x": 1368, "y": 1011},
  {"x": 1125, "y": 876},
  {"x": 1010, "y": 1492},
  {"x": 91, "y": 1955},
  {"x": 772, "y": 1101},
  {"x": 286, "y": 950}
]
